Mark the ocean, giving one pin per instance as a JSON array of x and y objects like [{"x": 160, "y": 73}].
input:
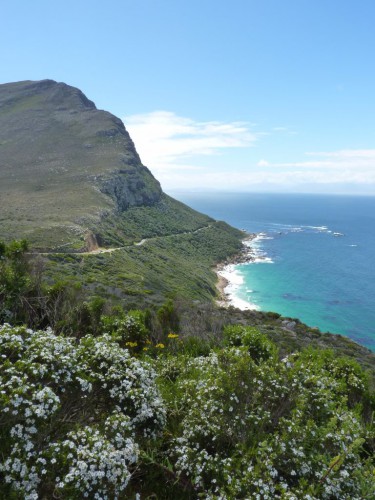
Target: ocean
[{"x": 314, "y": 256}]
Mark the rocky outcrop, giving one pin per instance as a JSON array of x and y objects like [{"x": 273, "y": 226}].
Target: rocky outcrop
[
  {"x": 129, "y": 188},
  {"x": 92, "y": 242}
]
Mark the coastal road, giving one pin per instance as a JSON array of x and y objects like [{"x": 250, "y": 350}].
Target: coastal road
[{"x": 132, "y": 245}]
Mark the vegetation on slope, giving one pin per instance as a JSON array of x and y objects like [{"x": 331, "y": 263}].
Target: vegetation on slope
[
  {"x": 179, "y": 249},
  {"x": 183, "y": 401},
  {"x": 72, "y": 182},
  {"x": 119, "y": 415},
  {"x": 166, "y": 217}
]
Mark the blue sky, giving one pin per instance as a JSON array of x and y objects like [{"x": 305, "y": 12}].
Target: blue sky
[{"x": 265, "y": 95}]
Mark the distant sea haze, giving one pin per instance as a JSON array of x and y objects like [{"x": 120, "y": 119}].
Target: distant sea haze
[{"x": 315, "y": 257}]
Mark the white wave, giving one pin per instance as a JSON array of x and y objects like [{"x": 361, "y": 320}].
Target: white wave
[
  {"x": 249, "y": 243},
  {"x": 258, "y": 237},
  {"x": 292, "y": 228},
  {"x": 262, "y": 259},
  {"x": 319, "y": 229},
  {"x": 243, "y": 304},
  {"x": 286, "y": 226},
  {"x": 256, "y": 252},
  {"x": 235, "y": 280},
  {"x": 352, "y": 245},
  {"x": 232, "y": 276}
]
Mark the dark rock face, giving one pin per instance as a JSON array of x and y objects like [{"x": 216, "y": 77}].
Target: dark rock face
[
  {"x": 60, "y": 155},
  {"x": 128, "y": 188}
]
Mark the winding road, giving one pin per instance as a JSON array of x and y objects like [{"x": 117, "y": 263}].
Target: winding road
[{"x": 132, "y": 245}]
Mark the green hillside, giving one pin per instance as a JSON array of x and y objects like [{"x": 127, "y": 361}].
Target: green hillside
[{"x": 73, "y": 185}]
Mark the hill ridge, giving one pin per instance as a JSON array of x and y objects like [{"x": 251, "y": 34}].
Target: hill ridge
[{"x": 61, "y": 156}]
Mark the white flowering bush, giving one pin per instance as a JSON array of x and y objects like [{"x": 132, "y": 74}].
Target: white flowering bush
[
  {"x": 73, "y": 415},
  {"x": 90, "y": 418},
  {"x": 290, "y": 429}
]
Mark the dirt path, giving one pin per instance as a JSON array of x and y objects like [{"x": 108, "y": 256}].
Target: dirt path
[{"x": 135, "y": 244}]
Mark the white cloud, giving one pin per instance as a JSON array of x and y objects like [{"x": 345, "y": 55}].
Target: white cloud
[
  {"x": 292, "y": 180},
  {"x": 165, "y": 141},
  {"x": 284, "y": 130},
  {"x": 174, "y": 148},
  {"x": 355, "y": 165},
  {"x": 336, "y": 171},
  {"x": 263, "y": 163}
]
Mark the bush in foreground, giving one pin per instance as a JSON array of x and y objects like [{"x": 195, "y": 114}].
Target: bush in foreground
[
  {"x": 100, "y": 419},
  {"x": 73, "y": 414}
]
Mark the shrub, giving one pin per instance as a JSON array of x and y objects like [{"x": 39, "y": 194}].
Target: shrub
[
  {"x": 243, "y": 429},
  {"x": 85, "y": 418},
  {"x": 128, "y": 330},
  {"x": 15, "y": 280},
  {"x": 73, "y": 414},
  {"x": 258, "y": 345}
]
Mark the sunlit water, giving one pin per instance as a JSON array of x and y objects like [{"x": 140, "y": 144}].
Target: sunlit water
[{"x": 315, "y": 256}]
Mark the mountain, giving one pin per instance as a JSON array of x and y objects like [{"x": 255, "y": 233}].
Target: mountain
[
  {"x": 64, "y": 163},
  {"x": 73, "y": 185}
]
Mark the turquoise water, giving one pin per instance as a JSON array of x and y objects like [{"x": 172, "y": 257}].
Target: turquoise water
[{"x": 316, "y": 256}]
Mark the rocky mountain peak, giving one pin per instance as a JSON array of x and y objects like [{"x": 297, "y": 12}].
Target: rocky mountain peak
[{"x": 61, "y": 156}]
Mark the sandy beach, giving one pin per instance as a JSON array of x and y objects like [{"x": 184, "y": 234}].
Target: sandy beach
[{"x": 229, "y": 279}]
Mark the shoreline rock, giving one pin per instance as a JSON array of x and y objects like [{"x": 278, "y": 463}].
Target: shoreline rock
[{"x": 244, "y": 256}]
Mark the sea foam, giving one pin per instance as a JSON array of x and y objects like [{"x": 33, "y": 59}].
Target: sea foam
[{"x": 235, "y": 279}]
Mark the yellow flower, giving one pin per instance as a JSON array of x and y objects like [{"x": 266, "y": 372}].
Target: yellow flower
[
  {"x": 145, "y": 348},
  {"x": 131, "y": 344},
  {"x": 161, "y": 346},
  {"x": 172, "y": 335}
]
